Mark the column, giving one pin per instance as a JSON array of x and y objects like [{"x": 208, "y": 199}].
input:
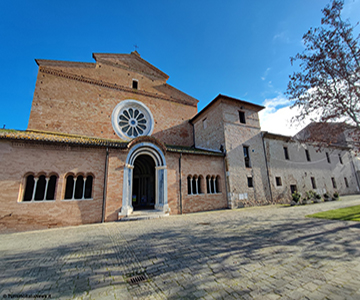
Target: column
[
  {"x": 161, "y": 202},
  {"x": 127, "y": 207}
]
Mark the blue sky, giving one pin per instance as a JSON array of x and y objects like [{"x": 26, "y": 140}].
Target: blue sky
[{"x": 237, "y": 48}]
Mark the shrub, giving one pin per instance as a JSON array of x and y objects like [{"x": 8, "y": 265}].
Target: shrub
[
  {"x": 336, "y": 195},
  {"x": 309, "y": 195},
  {"x": 296, "y": 197},
  {"x": 317, "y": 196},
  {"x": 326, "y": 197}
]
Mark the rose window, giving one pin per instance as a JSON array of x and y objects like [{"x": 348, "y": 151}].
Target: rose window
[
  {"x": 131, "y": 119},
  {"x": 132, "y": 122}
]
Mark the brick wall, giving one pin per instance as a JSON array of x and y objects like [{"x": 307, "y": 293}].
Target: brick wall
[
  {"x": 209, "y": 128},
  {"x": 64, "y": 104},
  {"x": 202, "y": 165},
  {"x": 18, "y": 159}
]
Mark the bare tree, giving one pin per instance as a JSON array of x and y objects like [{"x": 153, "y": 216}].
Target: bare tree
[{"x": 327, "y": 87}]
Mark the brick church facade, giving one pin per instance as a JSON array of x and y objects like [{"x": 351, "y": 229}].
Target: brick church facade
[{"x": 110, "y": 138}]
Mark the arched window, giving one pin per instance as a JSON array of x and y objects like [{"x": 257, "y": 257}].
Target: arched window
[
  {"x": 69, "y": 187},
  {"x": 88, "y": 187},
  {"x": 50, "y": 193},
  {"x": 189, "y": 183},
  {"x": 29, "y": 188},
  {"x": 78, "y": 187},
  {"x": 213, "y": 187},
  {"x": 217, "y": 184},
  {"x": 39, "y": 188},
  {"x": 199, "y": 184},
  {"x": 208, "y": 186},
  {"x": 194, "y": 185}
]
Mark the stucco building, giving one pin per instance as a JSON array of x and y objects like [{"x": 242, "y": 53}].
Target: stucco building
[{"x": 109, "y": 138}]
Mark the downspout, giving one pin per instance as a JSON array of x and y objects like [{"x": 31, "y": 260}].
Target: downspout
[
  {"x": 267, "y": 167},
  {"x": 180, "y": 184},
  {"x": 226, "y": 179},
  {"x": 105, "y": 185}
]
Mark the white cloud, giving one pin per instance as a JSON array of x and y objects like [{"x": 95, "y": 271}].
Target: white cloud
[
  {"x": 282, "y": 36},
  {"x": 277, "y": 115},
  {"x": 265, "y": 74}
]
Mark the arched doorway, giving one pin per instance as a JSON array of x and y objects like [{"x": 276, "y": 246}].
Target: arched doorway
[
  {"x": 143, "y": 192},
  {"x": 150, "y": 157}
]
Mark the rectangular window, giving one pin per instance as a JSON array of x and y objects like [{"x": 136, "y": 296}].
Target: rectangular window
[
  {"x": 346, "y": 182},
  {"x": 293, "y": 188},
  {"x": 333, "y": 182},
  {"x": 328, "y": 157},
  {"x": 313, "y": 183},
  {"x": 307, "y": 155},
  {"x": 250, "y": 182},
  {"x": 340, "y": 159},
  {"x": 278, "y": 181},
  {"x": 135, "y": 84},
  {"x": 286, "y": 153},
  {"x": 247, "y": 157},
  {"x": 204, "y": 123},
  {"x": 242, "y": 117}
]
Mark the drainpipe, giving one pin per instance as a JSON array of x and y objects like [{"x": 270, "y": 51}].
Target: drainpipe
[
  {"x": 105, "y": 185},
  {"x": 267, "y": 167},
  {"x": 180, "y": 183},
  {"x": 226, "y": 179}
]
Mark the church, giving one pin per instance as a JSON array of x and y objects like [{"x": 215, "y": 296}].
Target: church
[{"x": 111, "y": 139}]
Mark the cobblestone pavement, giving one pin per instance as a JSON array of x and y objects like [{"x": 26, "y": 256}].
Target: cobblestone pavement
[{"x": 255, "y": 253}]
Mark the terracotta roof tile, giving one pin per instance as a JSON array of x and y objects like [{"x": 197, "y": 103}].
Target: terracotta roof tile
[{"x": 44, "y": 136}]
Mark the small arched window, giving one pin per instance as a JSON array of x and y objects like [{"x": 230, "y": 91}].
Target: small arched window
[
  {"x": 79, "y": 187},
  {"x": 50, "y": 193},
  {"x": 189, "y": 184},
  {"x": 199, "y": 185},
  {"x": 194, "y": 185},
  {"x": 88, "y": 187},
  {"x": 40, "y": 188},
  {"x": 217, "y": 184},
  {"x": 208, "y": 185},
  {"x": 69, "y": 187},
  {"x": 29, "y": 188}
]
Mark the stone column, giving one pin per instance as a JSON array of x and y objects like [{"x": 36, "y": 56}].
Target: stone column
[
  {"x": 127, "y": 207},
  {"x": 161, "y": 202}
]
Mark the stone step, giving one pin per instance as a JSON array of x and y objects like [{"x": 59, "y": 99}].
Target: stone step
[{"x": 144, "y": 215}]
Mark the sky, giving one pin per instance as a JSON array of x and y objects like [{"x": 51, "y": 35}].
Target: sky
[{"x": 236, "y": 48}]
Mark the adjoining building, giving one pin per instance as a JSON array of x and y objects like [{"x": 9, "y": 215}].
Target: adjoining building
[{"x": 109, "y": 138}]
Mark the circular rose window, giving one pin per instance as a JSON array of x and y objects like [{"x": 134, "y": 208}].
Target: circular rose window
[{"x": 131, "y": 119}]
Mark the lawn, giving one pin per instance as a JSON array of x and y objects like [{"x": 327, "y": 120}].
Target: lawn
[{"x": 351, "y": 213}]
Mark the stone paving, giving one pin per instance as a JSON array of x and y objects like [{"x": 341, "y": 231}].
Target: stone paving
[{"x": 269, "y": 252}]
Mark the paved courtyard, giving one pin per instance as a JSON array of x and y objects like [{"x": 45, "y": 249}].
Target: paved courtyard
[{"x": 255, "y": 253}]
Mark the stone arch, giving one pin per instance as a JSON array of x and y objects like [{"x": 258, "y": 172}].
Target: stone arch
[{"x": 152, "y": 150}]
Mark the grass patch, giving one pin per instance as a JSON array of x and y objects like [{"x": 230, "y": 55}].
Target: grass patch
[{"x": 351, "y": 213}]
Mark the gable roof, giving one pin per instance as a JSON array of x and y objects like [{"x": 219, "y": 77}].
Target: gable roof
[
  {"x": 219, "y": 98},
  {"x": 131, "y": 61}
]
